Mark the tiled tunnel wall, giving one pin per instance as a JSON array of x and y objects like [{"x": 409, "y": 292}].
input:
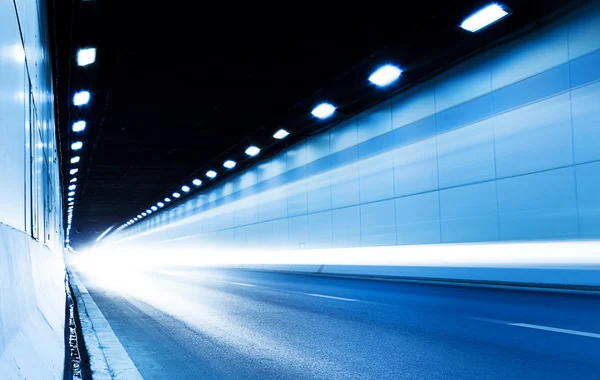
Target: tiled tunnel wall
[{"x": 503, "y": 147}]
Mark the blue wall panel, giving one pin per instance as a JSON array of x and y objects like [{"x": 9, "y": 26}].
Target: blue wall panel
[
  {"x": 501, "y": 147},
  {"x": 469, "y": 213},
  {"x": 585, "y": 102}
]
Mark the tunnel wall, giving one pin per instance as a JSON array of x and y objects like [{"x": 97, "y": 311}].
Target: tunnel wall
[
  {"x": 32, "y": 298},
  {"x": 503, "y": 147}
]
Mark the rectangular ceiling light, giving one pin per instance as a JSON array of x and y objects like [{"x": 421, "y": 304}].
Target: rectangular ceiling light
[
  {"x": 176, "y": 195},
  {"x": 72, "y": 187},
  {"x": 211, "y": 174},
  {"x": 229, "y": 164},
  {"x": 71, "y": 193},
  {"x": 160, "y": 204},
  {"x": 197, "y": 182},
  {"x": 86, "y": 56},
  {"x": 323, "y": 111},
  {"x": 73, "y": 171},
  {"x": 385, "y": 75},
  {"x": 154, "y": 208},
  {"x": 484, "y": 18},
  {"x": 167, "y": 200},
  {"x": 252, "y": 150},
  {"x": 281, "y": 134},
  {"x": 78, "y": 126},
  {"x": 185, "y": 188},
  {"x": 81, "y": 98},
  {"x": 77, "y": 145},
  {"x": 75, "y": 159},
  {"x": 73, "y": 180}
]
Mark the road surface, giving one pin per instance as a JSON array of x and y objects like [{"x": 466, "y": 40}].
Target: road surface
[{"x": 227, "y": 324}]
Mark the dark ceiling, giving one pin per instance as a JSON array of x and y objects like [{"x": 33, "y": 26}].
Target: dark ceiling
[{"x": 178, "y": 87}]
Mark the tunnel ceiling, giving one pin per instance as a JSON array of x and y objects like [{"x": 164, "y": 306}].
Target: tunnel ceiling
[{"x": 177, "y": 88}]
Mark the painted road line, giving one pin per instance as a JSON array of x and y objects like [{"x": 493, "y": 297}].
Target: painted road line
[
  {"x": 332, "y": 297},
  {"x": 239, "y": 283},
  {"x": 554, "y": 329}
]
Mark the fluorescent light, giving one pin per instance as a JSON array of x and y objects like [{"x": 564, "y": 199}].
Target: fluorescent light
[
  {"x": 71, "y": 203},
  {"x": 73, "y": 180},
  {"x": 197, "y": 182},
  {"x": 483, "y": 18},
  {"x": 71, "y": 193},
  {"x": 77, "y": 145},
  {"x": 78, "y": 126},
  {"x": 140, "y": 216},
  {"x": 73, "y": 171},
  {"x": 167, "y": 200},
  {"x": 385, "y": 75},
  {"x": 148, "y": 211},
  {"x": 211, "y": 174},
  {"x": 252, "y": 150},
  {"x": 154, "y": 208},
  {"x": 176, "y": 195},
  {"x": 160, "y": 204},
  {"x": 81, "y": 98},
  {"x": 86, "y": 56},
  {"x": 281, "y": 134},
  {"x": 229, "y": 164},
  {"x": 69, "y": 199},
  {"x": 75, "y": 159},
  {"x": 323, "y": 110},
  {"x": 72, "y": 187},
  {"x": 144, "y": 214},
  {"x": 185, "y": 188}
]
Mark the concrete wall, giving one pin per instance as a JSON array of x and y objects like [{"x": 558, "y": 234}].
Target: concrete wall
[
  {"x": 504, "y": 147},
  {"x": 32, "y": 300}
]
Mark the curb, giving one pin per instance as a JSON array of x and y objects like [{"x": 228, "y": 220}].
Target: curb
[{"x": 107, "y": 357}]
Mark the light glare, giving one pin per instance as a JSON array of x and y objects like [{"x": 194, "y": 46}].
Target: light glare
[
  {"x": 81, "y": 98},
  {"x": 281, "y": 134},
  {"x": 78, "y": 126},
  {"x": 252, "y": 150},
  {"x": 483, "y": 18},
  {"x": 323, "y": 110},
  {"x": 385, "y": 75},
  {"x": 86, "y": 56}
]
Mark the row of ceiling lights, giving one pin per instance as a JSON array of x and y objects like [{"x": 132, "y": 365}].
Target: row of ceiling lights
[
  {"x": 85, "y": 57},
  {"x": 383, "y": 76}
]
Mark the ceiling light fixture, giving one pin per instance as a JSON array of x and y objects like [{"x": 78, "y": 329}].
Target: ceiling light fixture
[
  {"x": 229, "y": 164},
  {"x": 281, "y": 134},
  {"x": 484, "y": 17},
  {"x": 86, "y": 56},
  {"x": 81, "y": 98},
  {"x": 323, "y": 111},
  {"x": 78, "y": 126},
  {"x": 385, "y": 75},
  {"x": 252, "y": 150}
]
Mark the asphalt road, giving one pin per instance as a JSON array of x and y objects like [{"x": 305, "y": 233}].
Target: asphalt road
[{"x": 226, "y": 324}]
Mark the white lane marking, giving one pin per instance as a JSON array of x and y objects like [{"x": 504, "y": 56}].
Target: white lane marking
[
  {"x": 554, "y": 329},
  {"x": 332, "y": 297},
  {"x": 239, "y": 283}
]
